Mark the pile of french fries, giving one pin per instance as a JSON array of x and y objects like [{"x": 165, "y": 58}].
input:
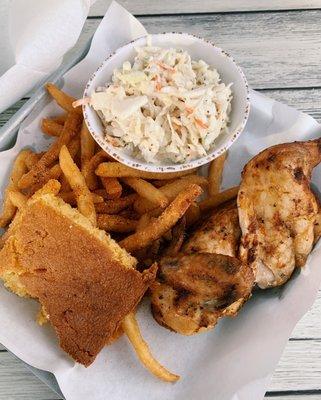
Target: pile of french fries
[{"x": 139, "y": 208}]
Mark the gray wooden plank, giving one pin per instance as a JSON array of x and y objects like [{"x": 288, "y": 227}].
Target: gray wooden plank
[
  {"x": 307, "y": 101},
  {"x": 141, "y": 7},
  {"x": 295, "y": 396},
  {"x": 276, "y": 50},
  {"x": 299, "y": 367},
  {"x": 18, "y": 383}
]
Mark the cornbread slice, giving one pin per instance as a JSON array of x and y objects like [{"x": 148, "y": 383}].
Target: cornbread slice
[{"x": 86, "y": 283}]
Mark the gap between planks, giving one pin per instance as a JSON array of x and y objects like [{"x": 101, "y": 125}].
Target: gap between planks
[{"x": 142, "y": 7}]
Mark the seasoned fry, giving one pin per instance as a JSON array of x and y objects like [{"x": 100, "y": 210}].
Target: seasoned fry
[
  {"x": 31, "y": 159},
  {"x": 65, "y": 187},
  {"x": 18, "y": 170},
  {"x": 117, "y": 170},
  {"x": 164, "y": 222},
  {"x": 219, "y": 198},
  {"x": 215, "y": 174},
  {"x": 55, "y": 171},
  {"x": 102, "y": 193},
  {"x": 147, "y": 191},
  {"x": 193, "y": 214},
  {"x": 62, "y": 99},
  {"x": 51, "y": 187},
  {"x": 70, "y": 130},
  {"x": 116, "y": 223},
  {"x": 69, "y": 197},
  {"x": 89, "y": 169},
  {"x": 132, "y": 331},
  {"x": 87, "y": 145},
  {"x": 178, "y": 236},
  {"x": 18, "y": 199},
  {"x": 115, "y": 206},
  {"x": 113, "y": 188},
  {"x": 171, "y": 190},
  {"x": 144, "y": 220},
  {"x": 78, "y": 184},
  {"x": 51, "y": 127},
  {"x": 159, "y": 183},
  {"x": 60, "y": 119}
]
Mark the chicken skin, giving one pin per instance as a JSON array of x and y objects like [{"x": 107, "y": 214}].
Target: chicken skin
[
  {"x": 194, "y": 290},
  {"x": 205, "y": 281},
  {"x": 279, "y": 214},
  {"x": 219, "y": 234}
]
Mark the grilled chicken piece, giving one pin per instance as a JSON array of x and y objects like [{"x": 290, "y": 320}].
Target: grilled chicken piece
[
  {"x": 194, "y": 290},
  {"x": 278, "y": 212},
  {"x": 219, "y": 234}
]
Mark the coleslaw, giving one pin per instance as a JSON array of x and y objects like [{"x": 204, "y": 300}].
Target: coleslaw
[{"x": 165, "y": 107}]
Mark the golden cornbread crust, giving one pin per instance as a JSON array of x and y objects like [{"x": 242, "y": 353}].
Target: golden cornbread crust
[{"x": 79, "y": 276}]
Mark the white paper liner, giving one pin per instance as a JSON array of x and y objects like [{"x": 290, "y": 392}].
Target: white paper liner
[{"x": 233, "y": 361}]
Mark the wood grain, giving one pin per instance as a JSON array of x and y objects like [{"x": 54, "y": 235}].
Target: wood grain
[
  {"x": 276, "y": 50},
  {"x": 141, "y": 7},
  {"x": 299, "y": 367},
  {"x": 18, "y": 383}
]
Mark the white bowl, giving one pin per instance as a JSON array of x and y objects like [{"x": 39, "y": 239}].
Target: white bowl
[{"x": 198, "y": 49}]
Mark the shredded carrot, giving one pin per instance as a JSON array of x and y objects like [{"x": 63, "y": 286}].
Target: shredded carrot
[
  {"x": 189, "y": 110},
  {"x": 165, "y": 67},
  {"x": 80, "y": 102},
  {"x": 201, "y": 123}
]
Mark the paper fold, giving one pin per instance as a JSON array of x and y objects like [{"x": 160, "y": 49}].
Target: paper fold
[{"x": 41, "y": 32}]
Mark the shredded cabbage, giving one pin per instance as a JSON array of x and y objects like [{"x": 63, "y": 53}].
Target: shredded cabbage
[{"x": 164, "y": 107}]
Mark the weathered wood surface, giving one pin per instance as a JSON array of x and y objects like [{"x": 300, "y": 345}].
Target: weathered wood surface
[
  {"x": 143, "y": 7},
  {"x": 276, "y": 50}
]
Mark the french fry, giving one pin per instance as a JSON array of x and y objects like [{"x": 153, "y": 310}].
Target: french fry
[
  {"x": 78, "y": 184},
  {"x": 87, "y": 146},
  {"x": 18, "y": 199},
  {"x": 70, "y": 198},
  {"x": 113, "y": 188},
  {"x": 178, "y": 236},
  {"x": 193, "y": 214},
  {"x": 143, "y": 221},
  {"x": 132, "y": 331},
  {"x": 55, "y": 171},
  {"x": 164, "y": 222},
  {"x": 117, "y": 170},
  {"x": 89, "y": 169},
  {"x": 18, "y": 170},
  {"x": 115, "y": 206},
  {"x": 70, "y": 130},
  {"x": 51, "y": 127},
  {"x": 62, "y": 99},
  {"x": 159, "y": 183},
  {"x": 31, "y": 159},
  {"x": 116, "y": 223},
  {"x": 51, "y": 187},
  {"x": 60, "y": 119},
  {"x": 102, "y": 193},
  {"x": 147, "y": 191},
  {"x": 218, "y": 199},
  {"x": 129, "y": 213},
  {"x": 65, "y": 187},
  {"x": 215, "y": 174},
  {"x": 171, "y": 190}
]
